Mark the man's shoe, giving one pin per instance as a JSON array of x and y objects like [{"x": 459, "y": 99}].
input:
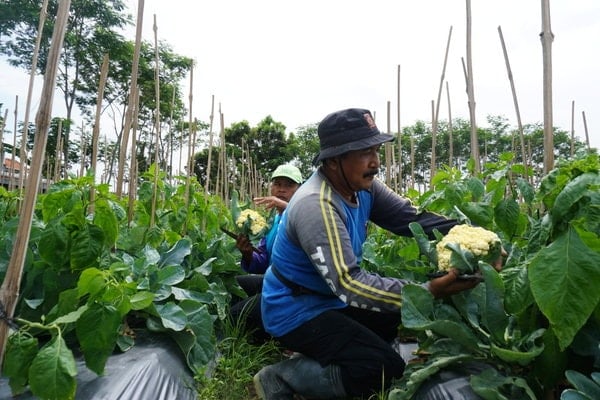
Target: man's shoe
[{"x": 270, "y": 386}]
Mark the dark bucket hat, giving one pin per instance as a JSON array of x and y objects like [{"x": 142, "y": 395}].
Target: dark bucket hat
[{"x": 346, "y": 130}]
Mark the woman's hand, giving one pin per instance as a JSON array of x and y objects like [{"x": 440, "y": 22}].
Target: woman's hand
[{"x": 270, "y": 202}]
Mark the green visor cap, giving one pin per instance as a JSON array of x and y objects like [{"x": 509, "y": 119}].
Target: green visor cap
[{"x": 288, "y": 171}]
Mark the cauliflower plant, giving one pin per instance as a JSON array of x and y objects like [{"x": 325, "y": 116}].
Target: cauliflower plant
[
  {"x": 251, "y": 220},
  {"x": 464, "y": 246}
]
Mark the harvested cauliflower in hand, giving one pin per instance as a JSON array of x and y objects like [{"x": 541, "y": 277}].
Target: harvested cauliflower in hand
[
  {"x": 252, "y": 221},
  {"x": 464, "y": 246}
]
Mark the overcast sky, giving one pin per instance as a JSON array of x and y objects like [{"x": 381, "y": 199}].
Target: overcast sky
[{"x": 299, "y": 60}]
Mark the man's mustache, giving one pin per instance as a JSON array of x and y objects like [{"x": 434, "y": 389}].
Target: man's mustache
[{"x": 370, "y": 173}]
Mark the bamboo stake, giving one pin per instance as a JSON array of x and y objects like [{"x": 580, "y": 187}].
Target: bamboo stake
[
  {"x": 572, "y": 128},
  {"x": 399, "y": 136},
  {"x": 12, "y": 183},
  {"x": 133, "y": 175},
  {"x": 170, "y": 139},
  {"x": 515, "y": 102},
  {"x": 471, "y": 95},
  {"x": 190, "y": 154},
  {"x": 433, "y": 144},
  {"x": 34, "y": 60},
  {"x": 132, "y": 95},
  {"x": 156, "y": 120},
  {"x": 547, "y": 37},
  {"x": 96, "y": 130},
  {"x": 388, "y": 151},
  {"x": 210, "y": 145},
  {"x": 450, "y": 135},
  {"x": 83, "y": 150},
  {"x": 2, "y": 125},
  {"x": 9, "y": 291},
  {"x": 585, "y": 127},
  {"x": 58, "y": 156}
]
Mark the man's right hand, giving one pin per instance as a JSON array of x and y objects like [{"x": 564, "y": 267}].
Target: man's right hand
[{"x": 449, "y": 284}]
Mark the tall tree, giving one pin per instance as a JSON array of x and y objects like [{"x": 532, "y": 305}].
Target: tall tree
[{"x": 92, "y": 31}]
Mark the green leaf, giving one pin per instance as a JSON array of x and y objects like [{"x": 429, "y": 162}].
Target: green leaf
[
  {"x": 53, "y": 370},
  {"x": 417, "y": 314},
  {"x": 177, "y": 253},
  {"x": 527, "y": 191},
  {"x": 21, "y": 349},
  {"x": 512, "y": 356},
  {"x": 425, "y": 245},
  {"x": 97, "y": 330},
  {"x": 565, "y": 276},
  {"x": 172, "y": 316},
  {"x": 53, "y": 244},
  {"x": 171, "y": 275},
  {"x": 506, "y": 213},
  {"x": 479, "y": 213},
  {"x": 141, "y": 300},
  {"x": 571, "y": 193},
  {"x": 197, "y": 342},
  {"x": 86, "y": 246},
  {"x": 493, "y": 315},
  {"x": 105, "y": 218},
  {"x": 491, "y": 385},
  {"x": 583, "y": 384},
  {"x": 91, "y": 281},
  {"x": 71, "y": 317}
]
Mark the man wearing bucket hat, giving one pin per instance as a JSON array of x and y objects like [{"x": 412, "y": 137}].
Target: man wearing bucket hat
[
  {"x": 316, "y": 299},
  {"x": 285, "y": 180}
]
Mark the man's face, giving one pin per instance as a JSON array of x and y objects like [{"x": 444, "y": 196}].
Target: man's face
[
  {"x": 361, "y": 166},
  {"x": 283, "y": 188}
]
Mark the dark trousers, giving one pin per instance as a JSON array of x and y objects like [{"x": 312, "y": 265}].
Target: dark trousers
[
  {"x": 358, "y": 341},
  {"x": 246, "y": 312}
]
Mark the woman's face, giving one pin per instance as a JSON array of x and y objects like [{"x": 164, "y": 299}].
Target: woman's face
[{"x": 283, "y": 188}]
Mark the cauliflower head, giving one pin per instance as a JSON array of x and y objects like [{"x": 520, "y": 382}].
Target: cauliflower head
[
  {"x": 483, "y": 245},
  {"x": 253, "y": 220}
]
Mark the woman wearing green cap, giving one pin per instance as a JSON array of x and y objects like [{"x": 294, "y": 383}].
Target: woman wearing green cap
[{"x": 285, "y": 180}]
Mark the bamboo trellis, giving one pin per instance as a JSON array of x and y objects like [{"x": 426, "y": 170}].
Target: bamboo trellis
[
  {"x": 471, "y": 94},
  {"x": 9, "y": 291},
  {"x": 515, "y": 102},
  {"x": 96, "y": 129},
  {"x": 547, "y": 37},
  {"x": 132, "y": 96}
]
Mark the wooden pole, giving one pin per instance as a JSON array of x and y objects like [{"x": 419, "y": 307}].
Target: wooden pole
[
  {"x": 388, "y": 149},
  {"x": 433, "y": 145},
  {"x": 399, "y": 136},
  {"x": 210, "y": 145},
  {"x": 12, "y": 183},
  {"x": 190, "y": 154},
  {"x": 450, "y": 134},
  {"x": 132, "y": 96},
  {"x": 34, "y": 61},
  {"x": 96, "y": 130},
  {"x": 9, "y": 291},
  {"x": 585, "y": 127},
  {"x": 133, "y": 175},
  {"x": 83, "y": 151},
  {"x": 547, "y": 37},
  {"x": 156, "y": 121},
  {"x": 515, "y": 102},
  {"x": 572, "y": 128},
  {"x": 471, "y": 95},
  {"x": 58, "y": 150}
]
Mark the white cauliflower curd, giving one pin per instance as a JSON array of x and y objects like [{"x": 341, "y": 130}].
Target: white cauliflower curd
[
  {"x": 257, "y": 223},
  {"x": 482, "y": 245}
]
